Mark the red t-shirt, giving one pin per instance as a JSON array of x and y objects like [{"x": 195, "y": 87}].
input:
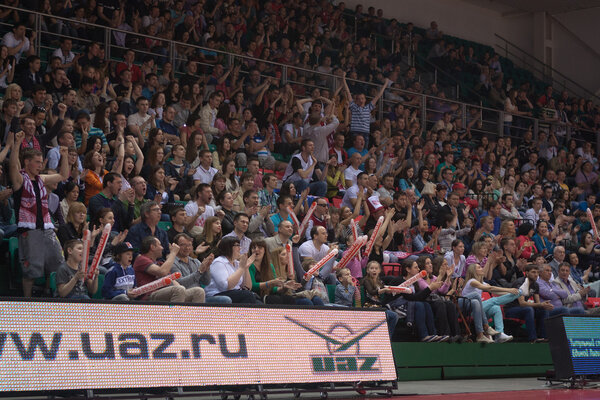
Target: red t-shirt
[{"x": 142, "y": 277}]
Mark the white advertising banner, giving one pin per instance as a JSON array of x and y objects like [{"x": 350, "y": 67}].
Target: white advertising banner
[{"x": 71, "y": 345}]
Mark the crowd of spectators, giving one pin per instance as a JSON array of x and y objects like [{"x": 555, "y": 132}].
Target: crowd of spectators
[{"x": 228, "y": 156}]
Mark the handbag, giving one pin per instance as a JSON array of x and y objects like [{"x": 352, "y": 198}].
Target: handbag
[{"x": 318, "y": 285}]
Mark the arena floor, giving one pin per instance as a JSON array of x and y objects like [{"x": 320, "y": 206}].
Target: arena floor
[{"x": 488, "y": 389}]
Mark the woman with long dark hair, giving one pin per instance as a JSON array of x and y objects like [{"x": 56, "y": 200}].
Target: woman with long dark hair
[
  {"x": 422, "y": 178},
  {"x": 173, "y": 93},
  {"x": 158, "y": 186},
  {"x": 525, "y": 245},
  {"x": 94, "y": 164},
  {"x": 156, "y": 157},
  {"x": 406, "y": 180},
  {"x": 232, "y": 183},
  {"x": 444, "y": 311},
  {"x": 206, "y": 242}
]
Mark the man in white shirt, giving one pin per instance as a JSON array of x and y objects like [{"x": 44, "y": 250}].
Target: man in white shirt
[
  {"x": 533, "y": 214},
  {"x": 17, "y": 43},
  {"x": 64, "y": 139},
  {"x": 141, "y": 122},
  {"x": 351, "y": 195},
  {"x": 205, "y": 172},
  {"x": 208, "y": 116},
  {"x": 317, "y": 249},
  {"x": 65, "y": 54},
  {"x": 302, "y": 172},
  {"x": 199, "y": 208},
  {"x": 443, "y": 123},
  {"x": 353, "y": 170}
]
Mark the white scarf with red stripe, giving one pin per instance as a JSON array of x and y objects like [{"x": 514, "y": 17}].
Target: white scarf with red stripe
[{"x": 28, "y": 208}]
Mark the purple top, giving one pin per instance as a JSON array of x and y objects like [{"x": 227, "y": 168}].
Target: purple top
[
  {"x": 355, "y": 266},
  {"x": 551, "y": 291},
  {"x": 441, "y": 291},
  {"x": 473, "y": 260},
  {"x": 555, "y": 293}
]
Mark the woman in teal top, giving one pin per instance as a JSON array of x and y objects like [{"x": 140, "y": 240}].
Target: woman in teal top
[
  {"x": 406, "y": 180},
  {"x": 543, "y": 239}
]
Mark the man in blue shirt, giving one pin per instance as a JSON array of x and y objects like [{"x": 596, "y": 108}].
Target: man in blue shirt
[
  {"x": 283, "y": 202},
  {"x": 150, "y": 85},
  {"x": 166, "y": 124},
  {"x": 494, "y": 212}
]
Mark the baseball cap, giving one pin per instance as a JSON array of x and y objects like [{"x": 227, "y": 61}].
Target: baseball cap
[
  {"x": 458, "y": 186},
  {"x": 122, "y": 248}
]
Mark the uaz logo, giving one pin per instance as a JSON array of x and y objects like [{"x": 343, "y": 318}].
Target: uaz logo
[{"x": 344, "y": 349}]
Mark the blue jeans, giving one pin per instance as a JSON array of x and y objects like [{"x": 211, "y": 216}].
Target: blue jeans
[
  {"x": 565, "y": 310},
  {"x": 534, "y": 319},
  {"x": 218, "y": 300},
  {"x": 507, "y": 126},
  {"x": 491, "y": 308},
  {"x": 316, "y": 301},
  {"x": 472, "y": 304},
  {"x": 392, "y": 320},
  {"x": 424, "y": 319},
  {"x": 315, "y": 188}
]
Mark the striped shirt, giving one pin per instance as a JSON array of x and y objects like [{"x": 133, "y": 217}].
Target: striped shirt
[{"x": 361, "y": 117}]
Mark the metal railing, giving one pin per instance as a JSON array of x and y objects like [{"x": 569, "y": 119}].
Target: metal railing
[
  {"x": 541, "y": 70},
  {"x": 429, "y": 109}
]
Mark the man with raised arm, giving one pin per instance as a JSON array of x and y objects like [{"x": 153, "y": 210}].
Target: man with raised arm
[
  {"x": 361, "y": 110},
  {"x": 39, "y": 250}
]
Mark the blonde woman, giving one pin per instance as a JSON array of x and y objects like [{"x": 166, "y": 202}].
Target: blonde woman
[
  {"x": 474, "y": 286},
  {"x": 75, "y": 225}
]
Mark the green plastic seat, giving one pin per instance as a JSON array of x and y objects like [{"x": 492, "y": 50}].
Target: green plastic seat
[
  {"x": 165, "y": 225},
  {"x": 98, "y": 294},
  {"x": 52, "y": 284}
]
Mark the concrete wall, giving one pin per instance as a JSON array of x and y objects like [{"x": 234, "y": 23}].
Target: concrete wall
[
  {"x": 470, "y": 21},
  {"x": 457, "y": 18},
  {"x": 576, "y": 47}
]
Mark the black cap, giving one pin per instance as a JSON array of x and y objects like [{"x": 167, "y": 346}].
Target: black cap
[{"x": 122, "y": 248}]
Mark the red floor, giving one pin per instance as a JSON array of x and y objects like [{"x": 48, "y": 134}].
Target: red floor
[{"x": 551, "y": 394}]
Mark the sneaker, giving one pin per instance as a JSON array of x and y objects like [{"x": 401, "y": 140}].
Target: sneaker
[
  {"x": 428, "y": 339},
  {"x": 443, "y": 338},
  {"x": 502, "y": 338},
  {"x": 484, "y": 339},
  {"x": 491, "y": 331}
]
